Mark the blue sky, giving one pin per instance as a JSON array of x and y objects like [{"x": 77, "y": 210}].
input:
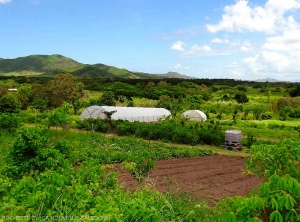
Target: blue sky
[{"x": 213, "y": 39}]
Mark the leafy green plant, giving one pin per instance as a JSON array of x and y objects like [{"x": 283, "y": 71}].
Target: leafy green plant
[
  {"x": 10, "y": 121},
  {"x": 284, "y": 112},
  {"x": 241, "y": 97},
  {"x": 139, "y": 169},
  {"x": 9, "y": 104},
  {"x": 170, "y": 130},
  {"x": 276, "y": 200},
  {"x": 59, "y": 116},
  {"x": 251, "y": 140},
  {"x": 282, "y": 159},
  {"x": 278, "y": 197},
  {"x": 32, "y": 150}
]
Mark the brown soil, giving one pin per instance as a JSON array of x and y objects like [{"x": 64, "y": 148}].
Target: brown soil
[{"x": 208, "y": 178}]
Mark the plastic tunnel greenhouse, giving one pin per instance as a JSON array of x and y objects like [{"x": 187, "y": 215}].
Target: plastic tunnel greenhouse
[
  {"x": 196, "y": 115},
  {"x": 126, "y": 113}
]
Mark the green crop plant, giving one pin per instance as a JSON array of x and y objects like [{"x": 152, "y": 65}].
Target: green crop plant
[
  {"x": 43, "y": 184},
  {"x": 278, "y": 197},
  {"x": 139, "y": 170}
]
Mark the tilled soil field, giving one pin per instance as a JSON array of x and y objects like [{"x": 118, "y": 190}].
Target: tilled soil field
[{"x": 208, "y": 178}]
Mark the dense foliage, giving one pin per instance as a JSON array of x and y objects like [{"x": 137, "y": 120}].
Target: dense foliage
[
  {"x": 9, "y": 104},
  {"x": 39, "y": 182},
  {"x": 60, "y": 174},
  {"x": 172, "y": 131},
  {"x": 278, "y": 198}
]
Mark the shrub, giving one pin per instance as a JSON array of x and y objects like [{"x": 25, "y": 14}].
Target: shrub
[
  {"x": 266, "y": 115},
  {"x": 9, "y": 121},
  {"x": 32, "y": 151},
  {"x": 278, "y": 198},
  {"x": 99, "y": 125},
  {"x": 9, "y": 104}
]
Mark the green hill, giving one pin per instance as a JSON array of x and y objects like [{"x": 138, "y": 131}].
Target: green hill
[
  {"x": 175, "y": 75},
  {"x": 49, "y": 65},
  {"x": 39, "y": 64},
  {"x": 105, "y": 71}
]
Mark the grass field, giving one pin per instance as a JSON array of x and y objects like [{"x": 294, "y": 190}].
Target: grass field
[
  {"x": 288, "y": 122},
  {"x": 22, "y": 73}
]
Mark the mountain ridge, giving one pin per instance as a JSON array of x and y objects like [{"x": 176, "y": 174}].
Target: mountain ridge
[
  {"x": 52, "y": 64},
  {"x": 269, "y": 80}
]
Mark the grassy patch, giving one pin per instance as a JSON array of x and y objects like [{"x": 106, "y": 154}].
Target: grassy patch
[{"x": 22, "y": 73}]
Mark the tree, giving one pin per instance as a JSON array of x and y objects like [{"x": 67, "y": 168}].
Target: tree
[
  {"x": 221, "y": 109},
  {"x": 247, "y": 110},
  {"x": 124, "y": 89},
  {"x": 163, "y": 104},
  {"x": 23, "y": 95},
  {"x": 64, "y": 88},
  {"x": 39, "y": 104},
  {"x": 108, "y": 116},
  {"x": 9, "y": 104},
  {"x": 3, "y": 91},
  {"x": 162, "y": 83},
  {"x": 295, "y": 91},
  {"x": 59, "y": 116},
  {"x": 38, "y": 91},
  {"x": 165, "y": 98},
  {"x": 175, "y": 108},
  {"x": 10, "y": 83},
  {"x": 230, "y": 92},
  {"x": 107, "y": 99},
  {"x": 284, "y": 112},
  {"x": 241, "y": 97},
  {"x": 150, "y": 85},
  {"x": 257, "y": 111}
]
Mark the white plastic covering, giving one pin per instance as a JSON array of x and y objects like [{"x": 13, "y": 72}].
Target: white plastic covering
[
  {"x": 195, "y": 115},
  {"x": 126, "y": 113}
]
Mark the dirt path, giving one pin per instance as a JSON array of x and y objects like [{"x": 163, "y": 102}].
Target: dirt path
[{"x": 209, "y": 178}]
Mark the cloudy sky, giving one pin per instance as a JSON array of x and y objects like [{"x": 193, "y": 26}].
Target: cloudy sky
[{"x": 243, "y": 39}]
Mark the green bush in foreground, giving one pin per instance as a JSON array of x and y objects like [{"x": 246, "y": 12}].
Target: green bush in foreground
[
  {"x": 278, "y": 198},
  {"x": 42, "y": 184}
]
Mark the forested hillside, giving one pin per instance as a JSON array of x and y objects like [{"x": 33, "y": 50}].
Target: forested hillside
[{"x": 50, "y": 65}]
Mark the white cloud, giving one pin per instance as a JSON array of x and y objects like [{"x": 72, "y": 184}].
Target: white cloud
[
  {"x": 178, "y": 46},
  {"x": 5, "y": 1},
  {"x": 232, "y": 65},
  {"x": 253, "y": 65},
  {"x": 272, "y": 64},
  {"x": 268, "y": 19},
  {"x": 289, "y": 41},
  {"x": 276, "y": 62},
  {"x": 196, "y": 48},
  {"x": 245, "y": 48},
  {"x": 206, "y": 51},
  {"x": 217, "y": 40},
  {"x": 282, "y": 6},
  {"x": 276, "y": 55},
  {"x": 178, "y": 66}
]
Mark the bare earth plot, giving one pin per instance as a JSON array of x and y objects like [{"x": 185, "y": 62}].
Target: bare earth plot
[{"x": 209, "y": 178}]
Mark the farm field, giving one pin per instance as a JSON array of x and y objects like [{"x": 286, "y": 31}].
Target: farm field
[
  {"x": 172, "y": 169},
  {"x": 208, "y": 178}
]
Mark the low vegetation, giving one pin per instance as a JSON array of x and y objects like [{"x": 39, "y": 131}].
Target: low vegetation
[{"x": 47, "y": 170}]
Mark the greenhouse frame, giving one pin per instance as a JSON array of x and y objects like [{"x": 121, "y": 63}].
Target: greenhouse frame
[
  {"x": 196, "y": 115},
  {"x": 131, "y": 114}
]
